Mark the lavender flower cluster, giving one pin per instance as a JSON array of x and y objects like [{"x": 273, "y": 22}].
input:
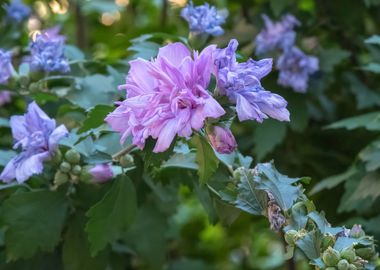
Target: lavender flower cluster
[
  {"x": 204, "y": 19},
  {"x": 295, "y": 67},
  {"x": 17, "y": 11}
]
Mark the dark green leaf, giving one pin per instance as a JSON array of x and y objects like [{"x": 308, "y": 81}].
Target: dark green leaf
[
  {"x": 110, "y": 217},
  {"x": 310, "y": 244},
  {"x": 329, "y": 58},
  {"x": 369, "y": 121},
  {"x": 205, "y": 157},
  {"x": 95, "y": 117},
  {"x": 35, "y": 221}
]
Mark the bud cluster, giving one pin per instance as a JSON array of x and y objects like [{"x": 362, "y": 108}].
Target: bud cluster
[{"x": 69, "y": 167}]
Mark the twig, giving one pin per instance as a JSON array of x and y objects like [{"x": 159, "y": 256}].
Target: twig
[{"x": 124, "y": 151}]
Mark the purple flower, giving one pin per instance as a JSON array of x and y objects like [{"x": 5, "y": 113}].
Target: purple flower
[
  {"x": 278, "y": 35},
  {"x": 166, "y": 97},
  {"x": 47, "y": 52},
  {"x": 17, "y": 11},
  {"x": 204, "y": 19},
  {"x": 222, "y": 139},
  {"x": 101, "y": 173},
  {"x": 240, "y": 82},
  {"x": 38, "y": 137},
  {"x": 295, "y": 68},
  {"x": 5, "y": 97},
  {"x": 6, "y": 66}
]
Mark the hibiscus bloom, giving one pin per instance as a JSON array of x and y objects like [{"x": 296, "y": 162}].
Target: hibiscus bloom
[{"x": 166, "y": 96}]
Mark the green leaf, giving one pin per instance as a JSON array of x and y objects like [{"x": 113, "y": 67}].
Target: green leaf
[
  {"x": 205, "y": 157},
  {"x": 366, "y": 98},
  {"x": 371, "y": 156},
  {"x": 372, "y": 67},
  {"x": 73, "y": 53},
  {"x": 112, "y": 216},
  {"x": 375, "y": 39},
  {"x": 333, "y": 181},
  {"x": 369, "y": 121},
  {"x": 280, "y": 186},
  {"x": 35, "y": 221},
  {"x": 310, "y": 244},
  {"x": 93, "y": 90},
  {"x": 322, "y": 224},
  {"x": 267, "y": 136},
  {"x": 369, "y": 188},
  {"x": 4, "y": 122},
  {"x": 249, "y": 198},
  {"x": 144, "y": 49},
  {"x": 95, "y": 117},
  {"x": 178, "y": 160},
  {"x": 76, "y": 249},
  {"x": 329, "y": 58}
]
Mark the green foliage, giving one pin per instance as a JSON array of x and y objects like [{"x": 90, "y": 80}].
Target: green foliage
[
  {"x": 34, "y": 222},
  {"x": 112, "y": 216}
]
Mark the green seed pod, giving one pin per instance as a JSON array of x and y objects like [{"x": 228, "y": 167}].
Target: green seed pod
[
  {"x": 328, "y": 240},
  {"x": 60, "y": 178},
  {"x": 57, "y": 158},
  {"x": 331, "y": 257},
  {"x": 352, "y": 267},
  {"x": 65, "y": 167},
  {"x": 331, "y": 268},
  {"x": 348, "y": 254},
  {"x": 343, "y": 265},
  {"x": 127, "y": 161},
  {"x": 291, "y": 237},
  {"x": 365, "y": 253},
  {"x": 72, "y": 156},
  {"x": 76, "y": 170}
]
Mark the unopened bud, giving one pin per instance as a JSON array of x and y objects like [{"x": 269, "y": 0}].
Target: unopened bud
[
  {"x": 127, "y": 161},
  {"x": 343, "y": 265},
  {"x": 57, "y": 158},
  {"x": 72, "y": 156},
  {"x": 328, "y": 240},
  {"x": 65, "y": 167},
  {"x": 331, "y": 257},
  {"x": 221, "y": 139},
  {"x": 330, "y": 268},
  {"x": 60, "y": 178},
  {"x": 76, "y": 170},
  {"x": 33, "y": 87},
  {"x": 24, "y": 80},
  {"x": 299, "y": 207},
  {"x": 357, "y": 231},
  {"x": 237, "y": 173},
  {"x": 365, "y": 253},
  {"x": 291, "y": 237},
  {"x": 352, "y": 267},
  {"x": 348, "y": 254}
]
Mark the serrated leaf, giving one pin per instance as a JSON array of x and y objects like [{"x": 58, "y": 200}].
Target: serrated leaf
[
  {"x": 267, "y": 136},
  {"x": 110, "y": 217},
  {"x": 371, "y": 156},
  {"x": 310, "y": 245},
  {"x": 35, "y": 221},
  {"x": 372, "y": 67},
  {"x": 205, "y": 157},
  {"x": 366, "y": 98},
  {"x": 322, "y": 223},
  {"x": 249, "y": 198},
  {"x": 95, "y": 117},
  {"x": 369, "y": 188},
  {"x": 280, "y": 186},
  {"x": 76, "y": 249},
  {"x": 369, "y": 121}
]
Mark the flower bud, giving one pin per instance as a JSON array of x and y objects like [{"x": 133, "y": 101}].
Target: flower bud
[
  {"x": 352, "y": 267},
  {"x": 328, "y": 240},
  {"x": 357, "y": 231},
  {"x": 291, "y": 237},
  {"x": 365, "y": 253},
  {"x": 222, "y": 139},
  {"x": 126, "y": 161},
  {"x": 101, "y": 173},
  {"x": 60, "y": 178},
  {"x": 330, "y": 268},
  {"x": 348, "y": 254},
  {"x": 24, "y": 80},
  {"x": 57, "y": 158},
  {"x": 330, "y": 257},
  {"x": 343, "y": 265},
  {"x": 299, "y": 207},
  {"x": 65, "y": 167},
  {"x": 76, "y": 170},
  {"x": 72, "y": 156}
]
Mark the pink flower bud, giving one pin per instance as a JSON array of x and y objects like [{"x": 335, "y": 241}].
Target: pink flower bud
[
  {"x": 101, "y": 173},
  {"x": 222, "y": 140}
]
